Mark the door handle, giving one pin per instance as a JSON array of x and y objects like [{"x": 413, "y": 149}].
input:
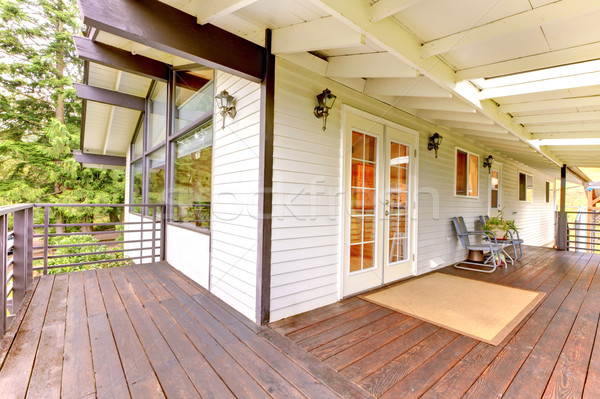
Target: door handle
[{"x": 387, "y": 213}]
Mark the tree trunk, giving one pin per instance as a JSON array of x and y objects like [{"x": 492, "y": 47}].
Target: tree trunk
[{"x": 60, "y": 72}]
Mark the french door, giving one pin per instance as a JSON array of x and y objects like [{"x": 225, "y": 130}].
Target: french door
[{"x": 379, "y": 222}]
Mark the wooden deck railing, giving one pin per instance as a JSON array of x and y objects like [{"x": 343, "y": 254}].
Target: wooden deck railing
[{"x": 52, "y": 245}]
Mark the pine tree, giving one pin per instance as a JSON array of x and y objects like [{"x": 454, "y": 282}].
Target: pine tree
[{"x": 40, "y": 114}]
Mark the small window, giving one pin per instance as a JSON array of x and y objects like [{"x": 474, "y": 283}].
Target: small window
[
  {"x": 494, "y": 189},
  {"x": 467, "y": 174},
  {"x": 525, "y": 187},
  {"x": 548, "y": 192}
]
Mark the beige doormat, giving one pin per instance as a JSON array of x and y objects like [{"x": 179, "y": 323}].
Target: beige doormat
[{"x": 484, "y": 311}]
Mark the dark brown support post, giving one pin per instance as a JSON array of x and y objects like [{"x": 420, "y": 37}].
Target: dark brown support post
[
  {"x": 163, "y": 233},
  {"x": 265, "y": 199},
  {"x": 22, "y": 257},
  {"x": 3, "y": 270},
  {"x": 561, "y": 240}
]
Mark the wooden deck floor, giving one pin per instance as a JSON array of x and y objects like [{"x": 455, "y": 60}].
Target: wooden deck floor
[
  {"x": 553, "y": 353},
  {"x": 149, "y": 332}
]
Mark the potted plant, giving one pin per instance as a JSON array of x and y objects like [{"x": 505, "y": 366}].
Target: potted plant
[{"x": 500, "y": 226}]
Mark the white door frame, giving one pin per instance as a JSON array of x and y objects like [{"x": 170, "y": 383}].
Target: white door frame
[{"x": 414, "y": 189}]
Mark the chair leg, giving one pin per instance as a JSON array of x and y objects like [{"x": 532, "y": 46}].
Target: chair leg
[{"x": 491, "y": 270}]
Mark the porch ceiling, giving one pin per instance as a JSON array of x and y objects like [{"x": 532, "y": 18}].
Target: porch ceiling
[{"x": 449, "y": 63}]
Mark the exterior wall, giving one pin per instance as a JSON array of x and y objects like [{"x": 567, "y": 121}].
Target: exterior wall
[
  {"x": 235, "y": 179},
  {"x": 189, "y": 251},
  {"x": 307, "y": 188}
]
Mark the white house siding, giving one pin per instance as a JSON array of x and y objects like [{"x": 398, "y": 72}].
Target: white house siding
[
  {"x": 437, "y": 242},
  {"x": 234, "y": 225},
  {"x": 307, "y": 187}
]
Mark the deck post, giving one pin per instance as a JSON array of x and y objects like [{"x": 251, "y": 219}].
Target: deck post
[
  {"x": 3, "y": 270},
  {"x": 561, "y": 239},
  {"x": 22, "y": 258}
]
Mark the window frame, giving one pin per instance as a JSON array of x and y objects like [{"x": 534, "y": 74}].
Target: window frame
[
  {"x": 469, "y": 153},
  {"x": 168, "y": 143},
  {"x": 496, "y": 168},
  {"x": 519, "y": 173}
]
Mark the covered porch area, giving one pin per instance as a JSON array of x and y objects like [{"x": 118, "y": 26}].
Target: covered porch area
[{"x": 149, "y": 331}]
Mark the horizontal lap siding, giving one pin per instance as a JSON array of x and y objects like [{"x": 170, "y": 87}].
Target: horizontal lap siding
[
  {"x": 306, "y": 180},
  {"x": 307, "y": 190},
  {"x": 438, "y": 244},
  {"x": 235, "y": 181}
]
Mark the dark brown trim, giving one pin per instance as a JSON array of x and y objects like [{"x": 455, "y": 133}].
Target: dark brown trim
[
  {"x": 190, "y": 81},
  {"x": 86, "y": 73},
  {"x": 162, "y": 27},
  {"x": 120, "y": 59},
  {"x": 111, "y": 97},
  {"x": 265, "y": 199},
  {"x": 100, "y": 159},
  {"x": 561, "y": 232}
]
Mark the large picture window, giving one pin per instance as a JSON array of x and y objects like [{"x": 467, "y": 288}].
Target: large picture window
[
  {"x": 192, "y": 177},
  {"x": 525, "y": 187},
  {"x": 467, "y": 174},
  {"x": 171, "y": 160}
]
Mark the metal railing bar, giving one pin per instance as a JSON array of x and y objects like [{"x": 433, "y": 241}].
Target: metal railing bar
[
  {"x": 93, "y": 205},
  {"x": 89, "y": 244},
  {"x": 90, "y": 233},
  {"x": 38, "y": 226},
  {"x": 94, "y": 262},
  {"x": 114, "y": 251},
  {"x": 583, "y": 242},
  {"x": 595, "y": 230}
]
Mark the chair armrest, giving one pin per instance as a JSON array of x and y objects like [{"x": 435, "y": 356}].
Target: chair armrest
[{"x": 489, "y": 235}]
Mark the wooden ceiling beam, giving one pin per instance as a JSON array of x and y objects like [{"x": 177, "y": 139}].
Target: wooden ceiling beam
[
  {"x": 168, "y": 29},
  {"x": 386, "y": 8},
  {"x": 110, "y": 97},
  {"x": 209, "y": 10},
  {"x": 113, "y": 57},
  {"x": 319, "y": 34}
]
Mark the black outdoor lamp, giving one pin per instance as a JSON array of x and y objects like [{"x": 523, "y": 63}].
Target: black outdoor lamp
[
  {"x": 488, "y": 162},
  {"x": 326, "y": 100},
  {"x": 225, "y": 103},
  {"x": 434, "y": 143}
]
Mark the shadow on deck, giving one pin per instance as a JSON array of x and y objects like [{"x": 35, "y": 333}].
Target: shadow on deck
[{"x": 147, "y": 331}]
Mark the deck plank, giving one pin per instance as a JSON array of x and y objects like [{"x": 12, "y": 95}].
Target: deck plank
[
  {"x": 141, "y": 379},
  {"x": 532, "y": 378},
  {"x": 78, "y": 371},
  {"x": 173, "y": 379},
  {"x": 46, "y": 375},
  {"x": 499, "y": 374},
  {"x": 17, "y": 367},
  {"x": 108, "y": 370},
  {"x": 569, "y": 375}
]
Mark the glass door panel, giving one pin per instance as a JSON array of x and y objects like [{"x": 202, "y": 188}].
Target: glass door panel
[{"x": 362, "y": 205}]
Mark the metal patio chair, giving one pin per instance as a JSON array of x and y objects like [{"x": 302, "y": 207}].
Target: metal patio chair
[
  {"x": 488, "y": 244},
  {"x": 514, "y": 242}
]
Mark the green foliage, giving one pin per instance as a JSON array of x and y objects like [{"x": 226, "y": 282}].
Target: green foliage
[
  {"x": 500, "y": 226},
  {"x": 40, "y": 115},
  {"x": 76, "y": 258}
]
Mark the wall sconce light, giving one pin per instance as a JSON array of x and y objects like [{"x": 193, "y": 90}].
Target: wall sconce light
[
  {"x": 488, "y": 162},
  {"x": 225, "y": 103},
  {"x": 434, "y": 143},
  {"x": 326, "y": 100}
]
